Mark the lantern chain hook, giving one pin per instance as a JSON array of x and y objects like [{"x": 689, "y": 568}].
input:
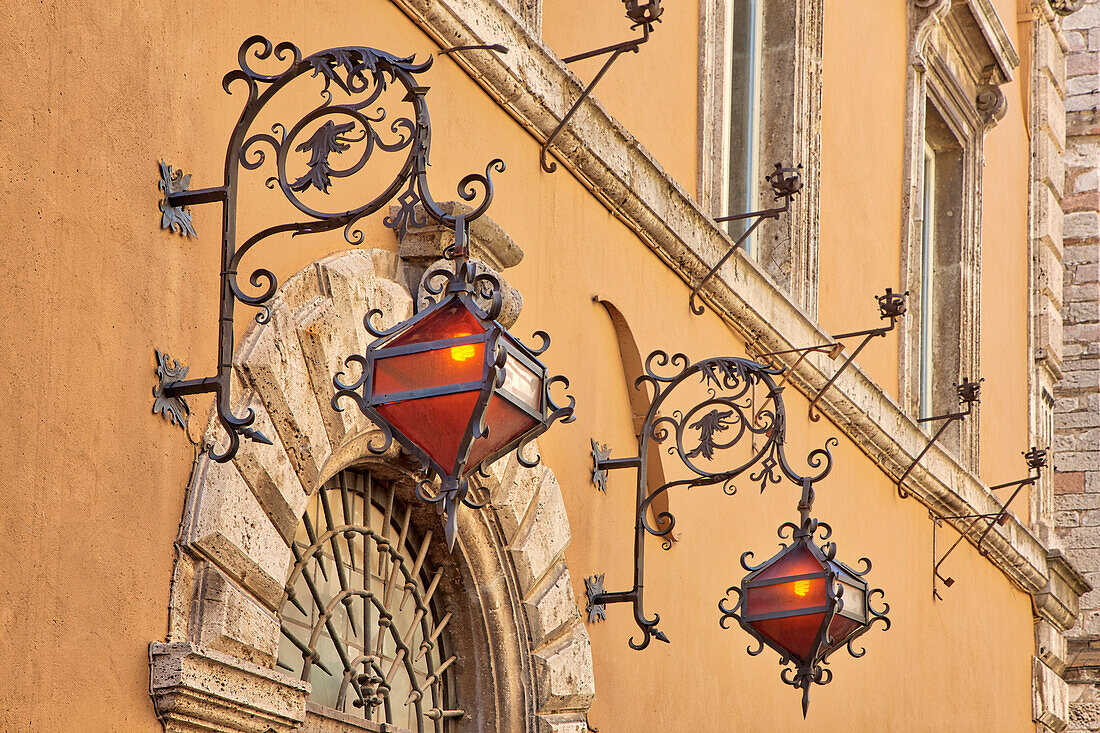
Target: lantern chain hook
[
  {"x": 1036, "y": 460},
  {"x": 642, "y": 15},
  {"x": 346, "y": 123},
  {"x": 969, "y": 394},
  {"x": 785, "y": 183},
  {"x": 891, "y": 306}
]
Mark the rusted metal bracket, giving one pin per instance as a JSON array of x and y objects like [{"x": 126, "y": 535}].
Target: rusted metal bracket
[
  {"x": 785, "y": 183},
  {"x": 891, "y": 305},
  {"x": 1036, "y": 460},
  {"x": 494, "y": 47},
  {"x": 969, "y": 393},
  {"x": 643, "y": 15}
]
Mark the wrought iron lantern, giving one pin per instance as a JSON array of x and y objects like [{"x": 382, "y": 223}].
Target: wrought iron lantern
[
  {"x": 804, "y": 604},
  {"x": 453, "y": 386}
]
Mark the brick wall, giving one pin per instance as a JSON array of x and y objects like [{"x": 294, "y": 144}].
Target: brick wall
[{"x": 1077, "y": 394}]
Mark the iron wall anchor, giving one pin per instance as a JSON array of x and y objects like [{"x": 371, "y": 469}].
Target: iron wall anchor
[
  {"x": 593, "y": 586},
  {"x": 174, "y": 218},
  {"x": 174, "y": 408}
]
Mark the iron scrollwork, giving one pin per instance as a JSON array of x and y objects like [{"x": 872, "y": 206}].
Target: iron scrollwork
[
  {"x": 309, "y": 159},
  {"x": 701, "y": 437}
]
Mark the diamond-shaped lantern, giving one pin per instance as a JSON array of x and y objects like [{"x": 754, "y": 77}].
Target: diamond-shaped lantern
[
  {"x": 454, "y": 388},
  {"x": 805, "y": 605}
]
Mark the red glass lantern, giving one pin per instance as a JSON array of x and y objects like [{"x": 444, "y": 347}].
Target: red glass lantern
[
  {"x": 454, "y": 387},
  {"x": 805, "y": 605}
]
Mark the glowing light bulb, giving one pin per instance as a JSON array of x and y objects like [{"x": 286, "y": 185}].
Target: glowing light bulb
[
  {"x": 464, "y": 352},
  {"x": 801, "y": 588}
]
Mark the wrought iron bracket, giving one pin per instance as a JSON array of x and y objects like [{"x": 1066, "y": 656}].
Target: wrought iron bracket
[
  {"x": 785, "y": 183},
  {"x": 643, "y": 15},
  {"x": 969, "y": 393},
  {"x": 727, "y": 414},
  {"x": 1036, "y": 461},
  {"x": 332, "y": 141},
  {"x": 891, "y": 306}
]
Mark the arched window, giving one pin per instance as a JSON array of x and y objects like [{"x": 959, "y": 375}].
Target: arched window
[{"x": 363, "y": 622}]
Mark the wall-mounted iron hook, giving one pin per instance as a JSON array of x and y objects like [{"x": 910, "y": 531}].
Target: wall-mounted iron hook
[
  {"x": 643, "y": 15},
  {"x": 494, "y": 47},
  {"x": 969, "y": 393},
  {"x": 785, "y": 183},
  {"x": 1036, "y": 460},
  {"x": 891, "y": 306}
]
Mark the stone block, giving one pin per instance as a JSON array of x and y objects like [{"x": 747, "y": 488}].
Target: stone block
[
  {"x": 199, "y": 689},
  {"x": 273, "y": 364},
  {"x": 1052, "y": 111},
  {"x": 1050, "y": 697},
  {"x": 271, "y": 477},
  {"x": 1067, "y": 519},
  {"x": 1049, "y": 219},
  {"x": 233, "y": 532},
  {"x": 563, "y": 672},
  {"x": 568, "y": 723},
  {"x": 542, "y": 537},
  {"x": 1082, "y": 102},
  {"x": 1069, "y": 482},
  {"x": 234, "y": 623},
  {"x": 1081, "y": 225},
  {"x": 1049, "y": 165},
  {"x": 518, "y": 488},
  {"x": 1049, "y": 337},
  {"x": 550, "y": 605},
  {"x": 1050, "y": 644},
  {"x": 1052, "y": 273}
]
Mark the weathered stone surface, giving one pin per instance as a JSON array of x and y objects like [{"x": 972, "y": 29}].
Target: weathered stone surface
[
  {"x": 569, "y": 723},
  {"x": 198, "y": 689},
  {"x": 233, "y": 532},
  {"x": 234, "y": 623},
  {"x": 551, "y": 605},
  {"x": 542, "y": 537},
  {"x": 1050, "y": 645},
  {"x": 1050, "y": 697},
  {"x": 563, "y": 672}
]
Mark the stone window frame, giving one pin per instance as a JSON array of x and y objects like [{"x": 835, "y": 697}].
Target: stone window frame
[
  {"x": 527, "y": 651},
  {"x": 789, "y": 132},
  {"x": 959, "y": 55}
]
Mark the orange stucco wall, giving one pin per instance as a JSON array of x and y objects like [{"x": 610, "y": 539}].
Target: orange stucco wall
[{"x": 94, "y": 484}]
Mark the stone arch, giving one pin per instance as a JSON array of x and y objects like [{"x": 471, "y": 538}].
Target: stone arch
[{"x": 216, "y": 671}]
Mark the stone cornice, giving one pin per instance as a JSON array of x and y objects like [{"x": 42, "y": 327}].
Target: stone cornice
[{"x": 536, "y": 88}]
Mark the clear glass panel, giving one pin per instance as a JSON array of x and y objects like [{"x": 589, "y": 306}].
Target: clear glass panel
[
  {"x": 744, "y": 42},
  {"x": 522, "y": 383},
  {"x": 928, "y": 259},
  {"x": 855, "y": 602}
]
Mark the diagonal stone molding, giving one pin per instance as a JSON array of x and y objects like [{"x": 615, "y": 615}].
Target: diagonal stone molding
[{"x": 536, "y": 88}]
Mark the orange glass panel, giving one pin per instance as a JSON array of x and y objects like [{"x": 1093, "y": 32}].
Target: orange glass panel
[
  {"x": 448, "y": 322},
  {"x": 505, "y": 422},
  {"x": 796, "y": 634},
  {"x": 424, "y": 369},
  {"x": 841, "y": 628},
  {"x": 436, "y": 424},
  {"x": 798, "y": 561},
  {"x": 793, "y": 596}
]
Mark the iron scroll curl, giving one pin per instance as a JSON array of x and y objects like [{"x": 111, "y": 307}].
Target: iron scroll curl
[
  {"x": 337, "y": 137},
  {"x": 741, "y": 400}
]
